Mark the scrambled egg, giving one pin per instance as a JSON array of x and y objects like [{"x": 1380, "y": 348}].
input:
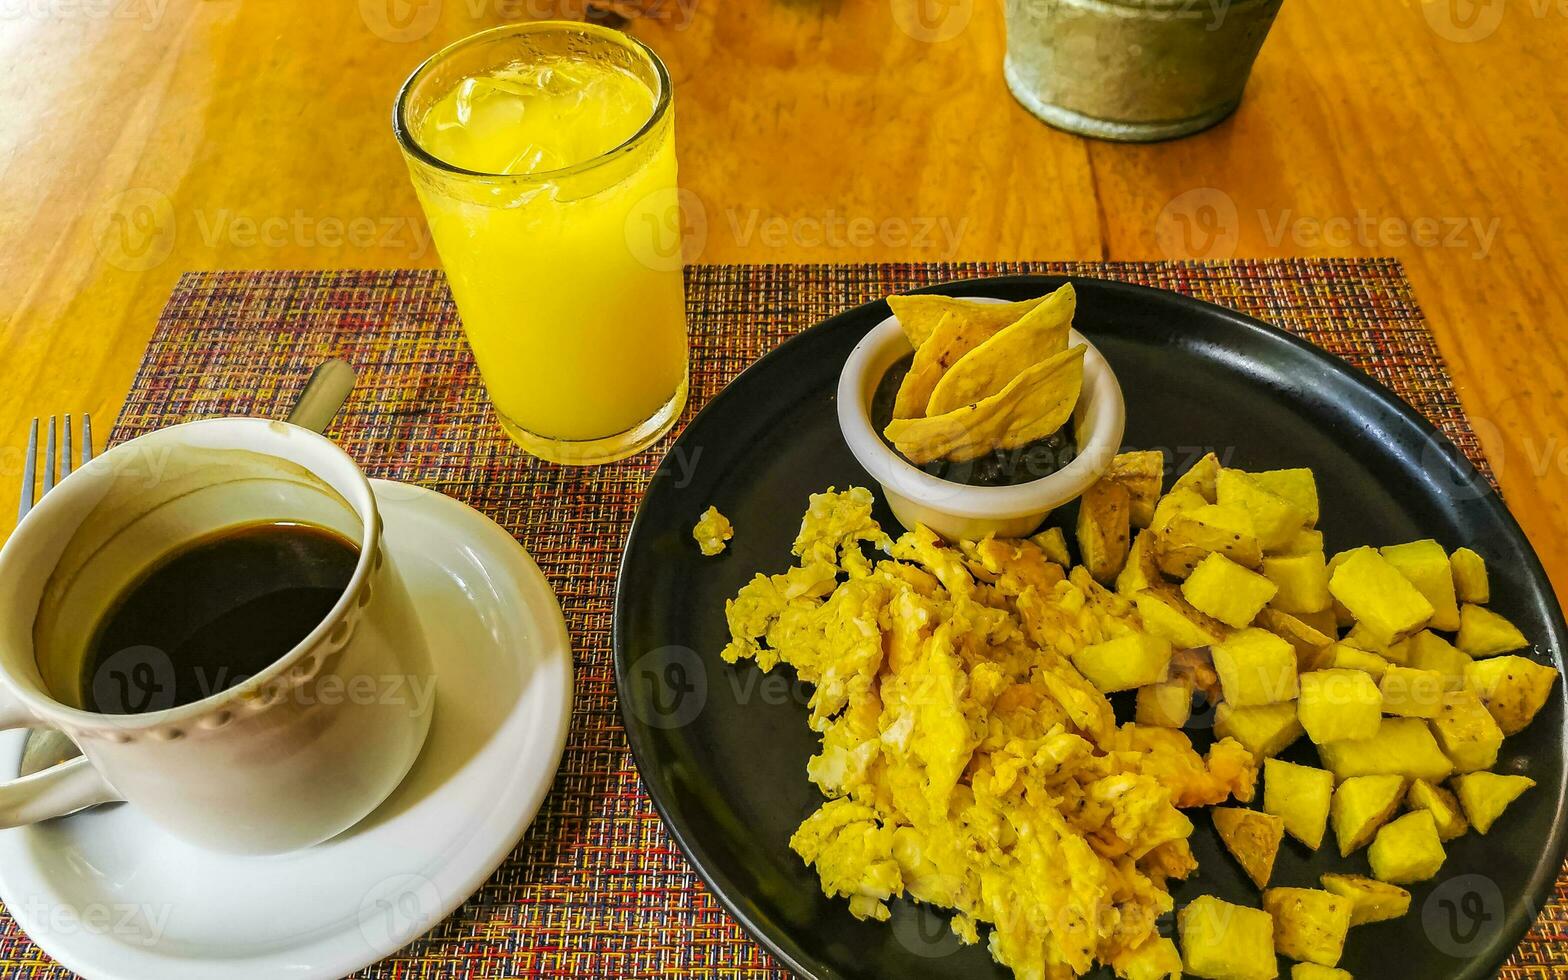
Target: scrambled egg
[
  {"x": 713, "y": 529},
  {"x": 965, "y": 761}
]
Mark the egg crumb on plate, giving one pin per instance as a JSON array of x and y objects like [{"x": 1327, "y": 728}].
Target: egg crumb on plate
[
  {"x": 966, "y": 761},
  {"x": 712, "y": 531}
]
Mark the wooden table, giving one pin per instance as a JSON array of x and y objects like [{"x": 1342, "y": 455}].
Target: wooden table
[{"x": 143, "y": 138}]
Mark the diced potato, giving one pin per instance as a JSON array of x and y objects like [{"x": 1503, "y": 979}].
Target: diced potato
[
  {"x": 1223, "y": 589},
  {"x": 1190, "y": 535},
  {"x": 1125, "y": 663},
  {"x": 1362, "y": 804},
  {"x": 1054, "y": 543},
  {"x": 1265, "y": 729},
  {"x": 1378, "y": 596},
  {"x": 1485, "y": 795},
  {"x": 1166, "y": 613},
  {"x": 1411, "y": 692},
  {"x": 1301, "y": 796},
  {"x": 1425, "y": 565},
  {"x": 1104, "y": 529},
  {"x": 1339, "y": 705},
  {"x": 1255, "y": 667},
  {"x": 1428, "y": 651},
  {"x": 1483, "y": 633},
  {"x": 1298, "y": 486},
  {"x": 1252, "y": 838},
  {"x": 1401, "y": 747},
  {"x": 1407, "y": 850},
  {"x": 1341, "y": 614},
  {"x": 1173, "y": 503},
  {"x": 1305, "y": 542},
  {"x": 1446, "y": 811},
  {"x": 1363, "y": 638},
  {"x": 1156, "y": 959},
  {"x": 1374, "y": 901},
  {"x": 1309, "y": 925},
  {"x": 1221, "y": 941},
  {"x": 1470, "y": 581},
  {"x": 1200, "y": 477},
  {"x": 1311, "y": 971},
  {"x": 1324, "y": 622},
  {"x": 1512, "y": 688},
  {"x": 1274, "y": 518},
  {"x": 1139, "y": 572},
  {"x": 1141, "y": 473},
  {"x": 1165, "y": 705},
  {"x": 1309, "y": 642},
  {"x": 1467, "y": 732},
  {"x": 1300, "y": 580},
  {"x": 1343, "y": 656}
]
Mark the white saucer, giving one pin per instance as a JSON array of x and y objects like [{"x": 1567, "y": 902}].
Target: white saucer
[{"x": 114, "y": 898}]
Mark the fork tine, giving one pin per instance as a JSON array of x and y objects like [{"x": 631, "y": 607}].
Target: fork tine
[
  {"x": 49, "y": 460},
  {"x": 87, "y": 438},
  {"x": 28, "y": 471},
  {"x": 65, "y": 449}
]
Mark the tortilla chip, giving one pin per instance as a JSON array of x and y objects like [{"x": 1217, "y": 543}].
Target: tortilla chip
[
  {"x": 986, "y": 370},
  {"x": 1033, "y": 405},
  {"x": 954, "y": 337},
  {"x": 919, "y": 315}
]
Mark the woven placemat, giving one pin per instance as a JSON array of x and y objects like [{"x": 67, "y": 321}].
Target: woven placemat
[{"x": 596, "y": 888}]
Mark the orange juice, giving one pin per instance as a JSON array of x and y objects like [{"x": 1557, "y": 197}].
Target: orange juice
[{"x": 541, "y": 168}]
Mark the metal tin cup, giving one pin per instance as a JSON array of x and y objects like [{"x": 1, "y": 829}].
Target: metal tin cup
[{"x": 1133, "y": 70}]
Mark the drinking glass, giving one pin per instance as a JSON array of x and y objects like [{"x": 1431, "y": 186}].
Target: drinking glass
[{"x": 543, "y": 155}]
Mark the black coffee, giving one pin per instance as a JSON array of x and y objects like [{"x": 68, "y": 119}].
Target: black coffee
[{"x": 214, "y": 613}]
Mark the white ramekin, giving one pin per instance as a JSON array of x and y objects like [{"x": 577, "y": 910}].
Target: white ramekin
[{"x": 957, "y": 511}]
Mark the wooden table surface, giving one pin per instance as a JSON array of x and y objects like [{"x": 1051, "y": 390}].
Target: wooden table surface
[{"x": 144, "y": 138}]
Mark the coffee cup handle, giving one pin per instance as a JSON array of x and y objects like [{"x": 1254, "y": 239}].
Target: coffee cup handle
[{"x": 52, "y": 792}]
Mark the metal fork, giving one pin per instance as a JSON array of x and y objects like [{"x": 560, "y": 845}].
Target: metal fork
[{"x": 45, "y": 748}]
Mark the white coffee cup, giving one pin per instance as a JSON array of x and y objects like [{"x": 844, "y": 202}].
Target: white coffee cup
[{"x": 285, "y": 759}]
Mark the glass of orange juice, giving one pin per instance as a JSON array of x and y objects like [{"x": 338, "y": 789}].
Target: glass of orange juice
[{"x": 543, "y": 154}]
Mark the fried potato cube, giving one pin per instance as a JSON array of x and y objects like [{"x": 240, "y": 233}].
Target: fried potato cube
[
  {"x": 1378, "y": 596},
  {"x": 1200, "y": 477},
  {"x": 1341, "y": 614},
  {"x": 1483, "y": 633},
  {"x": 1428, "y": 651},
  {"x": 1308, "y": 641},
  {"x": 1467, "y": 732},
  {"x": 1512, "y": 688},
  {"x": 1362, "y": 804},
  {"x": 1402, "y": 747},
  {"x": 1445, "y": 807},
  {"x": 1299, "y": 795},
  {"x": 1166, "y": 613},
  {"x": 1156, "y": 959},
  {"x": 1485, "y": 795},
  {"x": 1125, "y": 662},
  {"x": 1324, "y": 622},
  {"x": 1054, "y": 543},
  {"x": 1300, "y": 581},
  {"x": 1305, "y": 542},
  {"x": 1173, "y": 503},
  {"x": 1343, "y": 656},
  {"x": 1309, "y": 925},
  {"x": 1141, "y": 473},
  {"x": 1425, "y": 564},
  {"x": 1255, "y": 667},
  {"x": 1223, "y": 589},
  {"x": 1167, "y": 704},
  {"x": 1104, "y": 530},
  {"x": 1407, "y": 850},
  {"x": 1265, "y": 729},
  {"x": 1311, "y": 971},
  {"x": 1470, "y": 581},
  {"x": 1337, "y": 705},
  {"x": 1252, "y": 838},
  {"x": 1411, "y": 692},
  {"x": 1297, "y": 485},
  {"x": 1140, "y": 571},
  {"x": 1275, "y": 519},
  {"x": 1374, "y": 901},
  {"x": 1190, "y": 535},
  {"x": 1221, "y": 941}
]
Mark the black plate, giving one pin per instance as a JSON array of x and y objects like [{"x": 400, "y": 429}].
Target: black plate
[{"x": 723, "y": 750}]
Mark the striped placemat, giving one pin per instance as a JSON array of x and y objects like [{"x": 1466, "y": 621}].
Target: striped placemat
[{"x": 596, "y": 888}]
